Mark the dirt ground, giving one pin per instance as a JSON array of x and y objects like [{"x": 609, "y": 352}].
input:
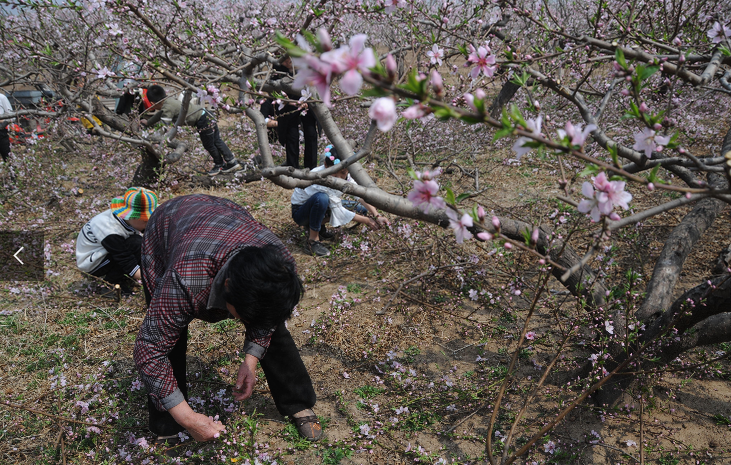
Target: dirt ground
[{"x": 404, "y": 379}]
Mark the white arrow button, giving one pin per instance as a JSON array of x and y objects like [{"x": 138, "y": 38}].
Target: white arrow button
[{"x": 15, "y": 255}]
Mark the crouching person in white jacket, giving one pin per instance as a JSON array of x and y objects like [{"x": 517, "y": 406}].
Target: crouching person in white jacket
[{"x": 109, "y": 246}]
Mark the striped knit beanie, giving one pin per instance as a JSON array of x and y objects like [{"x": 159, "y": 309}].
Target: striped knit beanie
[{"x": 137, "y": 203}]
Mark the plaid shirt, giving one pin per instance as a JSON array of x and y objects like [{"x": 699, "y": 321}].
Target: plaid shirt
[{"x": 187, "y": 242}]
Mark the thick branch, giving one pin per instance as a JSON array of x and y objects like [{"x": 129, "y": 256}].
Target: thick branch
[
  {"x": 669, "y": 264},
  {"x": 713, "y": 330}
]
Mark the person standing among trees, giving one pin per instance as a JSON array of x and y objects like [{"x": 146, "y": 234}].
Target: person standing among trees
[
  {"x": 206, "y": 258},
  {"x": 289, "y": 119},
  {"x": 168, "y": 109}
]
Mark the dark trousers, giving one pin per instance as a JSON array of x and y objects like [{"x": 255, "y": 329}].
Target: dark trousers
[
  {"x": 288, "y": 131},
  {"x": 4, "y": 143},
  {"x": 309, "y": 128},
  {"x": 212, "y": 142},
  {"x": 112, "y": 271},
  {"x": 312, "y": 212},
  {"x": 288, "y": 380}
]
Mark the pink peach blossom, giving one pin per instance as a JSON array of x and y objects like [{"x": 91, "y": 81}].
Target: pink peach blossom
[
  {"x": 460, "y": 225},
  {"x": 482, "y": 59},
  {"x": 383, "y": 110}
]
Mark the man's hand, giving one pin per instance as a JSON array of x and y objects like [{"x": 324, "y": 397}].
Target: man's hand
[
  {"x": 204, "y": 428},
  {"x": 246, "y": 378},
  {"x": 201, "y": 427},
  {"x": 143, "y": 122}
]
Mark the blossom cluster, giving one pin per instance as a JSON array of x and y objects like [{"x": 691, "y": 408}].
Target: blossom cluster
[
  {"x": 349, "y": 61},
  {"x": 602, "y": 196}
]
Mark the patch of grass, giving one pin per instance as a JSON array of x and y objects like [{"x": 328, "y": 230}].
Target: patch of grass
[
  {"x": 297, "y": 442},
  {"x": 42, "y": 364},
  {"x": 498, "y": 372},
  {"x": 354, "y": 288},
  {"x": 722, "y": 420},
  {"x": 419, "y": 421},
  {"x": 367, "y": 392},
  {"x": 668, "y": 459},
  {"x": 224, "y": 326},
  {"x": 411, "y": 353},
  {"x": 75, "y": 319},
  {"x": 334, "y": 455}
]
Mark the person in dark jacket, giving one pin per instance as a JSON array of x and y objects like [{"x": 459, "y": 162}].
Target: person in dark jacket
[{"x": 289, "y": 119}]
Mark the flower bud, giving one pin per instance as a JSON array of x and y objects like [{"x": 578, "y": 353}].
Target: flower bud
[
  {"x": 480, "y": 94},
  {"x": 688, "y": 195},
  {"x": 480, "y": 213},
  {"x": 650, "y": 186},
  {"x": 496, "y": 222},
  {"x": 437, "y": 83},
  {"x": 625, "y": 92},
  {"x": 485, "y": 236},
  {"x": 614, "y": 217},
  {"x": 681, "y": 58},
  {"x": 534, "y": 236},
  {"x": 657, "y": 126},
  {"x": 508, "y": 245},
  {"x": 677, "y": 42},
  {"x": 324, "y": 37},
  {"x": 391, "y": 67},
  {"x": 643, "y": 108}
]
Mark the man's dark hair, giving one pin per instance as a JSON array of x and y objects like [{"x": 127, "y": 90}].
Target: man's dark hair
[
  {"x": 262, "y": 286},
  {"x": 156, "y": 93}
]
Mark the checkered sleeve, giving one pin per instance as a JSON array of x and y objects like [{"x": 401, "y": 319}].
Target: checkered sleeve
[
  {"x": 256, "y": 341},
  {"x": 167, "y": 317}
]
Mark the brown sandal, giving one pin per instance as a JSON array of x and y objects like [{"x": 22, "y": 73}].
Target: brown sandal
[{"x": 309, "y": 427}]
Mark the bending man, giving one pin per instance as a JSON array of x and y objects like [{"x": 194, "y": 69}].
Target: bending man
[{"x": 205, "y": 257}]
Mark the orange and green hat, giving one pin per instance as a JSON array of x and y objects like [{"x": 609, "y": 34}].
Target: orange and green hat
[{"x": 137, "y": 203}]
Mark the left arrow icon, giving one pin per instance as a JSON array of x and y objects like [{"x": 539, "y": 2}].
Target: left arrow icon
[{"x": 15, "y": 255}]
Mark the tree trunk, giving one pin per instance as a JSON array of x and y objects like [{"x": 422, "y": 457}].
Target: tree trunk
[
  {"x": 148, "y": 171},
  {"x": 659, "y": 292},
  {"x": 506, "y": 94}
]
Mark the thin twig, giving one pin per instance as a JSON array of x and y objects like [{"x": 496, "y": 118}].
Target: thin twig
[
  {"x": 50, "y": 415},
  {"x": 456, "y": 425},
  {"x": 642, "y": 431},
  {"x": 63, "y": 449},
  {"x": 422, "y": 275}
]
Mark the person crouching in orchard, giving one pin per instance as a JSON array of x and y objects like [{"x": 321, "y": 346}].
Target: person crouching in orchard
[
  {"x": 168, "y": 109},
  {"x": 310, "y": 207},
  {"x": 109, "y": 246},
  {"x": 206, "y": 258}
]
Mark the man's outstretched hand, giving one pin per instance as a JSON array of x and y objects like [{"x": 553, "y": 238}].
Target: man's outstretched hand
[
  {"x": 246, "y": 378},
  {"x": 204, "y": 428},
  {"x": 201, "y": 427}
]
